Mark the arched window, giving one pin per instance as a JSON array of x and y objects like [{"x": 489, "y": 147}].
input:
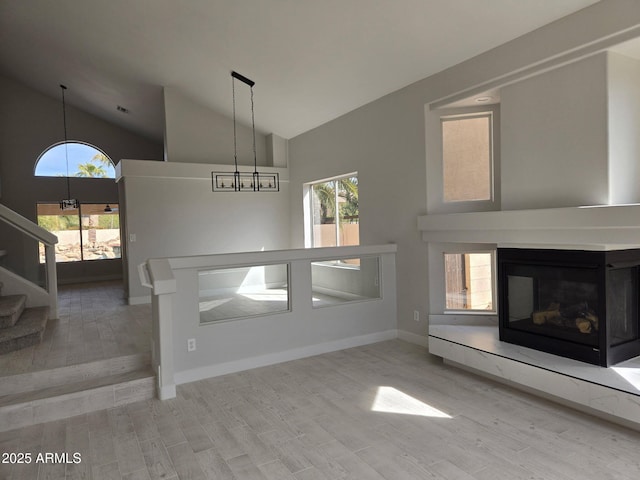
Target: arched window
[{"x": 84, "y": 161}]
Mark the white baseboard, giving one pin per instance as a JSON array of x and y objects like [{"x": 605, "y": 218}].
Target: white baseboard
[
  {"x": 166, "y": 392},
  {"x": 422, "y": 340},
  {"x": 139, "y": 300},
  {"x": 210, "y": 371}
]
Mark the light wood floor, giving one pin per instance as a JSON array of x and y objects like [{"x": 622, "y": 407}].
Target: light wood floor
[
  {"x": 95, "y": 324},
  {"x": 383, "y": 411}
]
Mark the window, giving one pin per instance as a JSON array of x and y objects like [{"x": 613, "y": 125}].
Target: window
[
  {"x": 469, "y": 281},
  {"x": 467, "y": 157},
  {"x": 333, "y": 212},
  {"x": 87, "y": 233},
  {"x": 84, "y": 161}
]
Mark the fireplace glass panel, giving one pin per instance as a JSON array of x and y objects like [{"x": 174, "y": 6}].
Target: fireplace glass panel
[
  {"x": 558, "y": 302},
  {"x": 579, "y": 304},
  {"x": 622, "y": 288}
]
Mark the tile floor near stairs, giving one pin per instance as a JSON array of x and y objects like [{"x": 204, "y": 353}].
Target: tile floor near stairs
[
  {"x": 95, "y": 323},
  {"x": 96, "y": 355}
]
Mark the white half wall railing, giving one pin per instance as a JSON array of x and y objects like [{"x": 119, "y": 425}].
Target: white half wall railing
[
  {"x": 20, "y": 269},
  {"x": 218, "y": 314}
]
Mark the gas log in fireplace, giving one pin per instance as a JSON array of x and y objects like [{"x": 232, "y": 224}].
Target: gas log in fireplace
[{"x": 574, "y": 303}]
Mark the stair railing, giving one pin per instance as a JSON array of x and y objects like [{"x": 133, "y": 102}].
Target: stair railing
[{"x": 25, "y": 226}]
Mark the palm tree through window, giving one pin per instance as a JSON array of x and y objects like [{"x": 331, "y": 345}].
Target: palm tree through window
[
  {"x": 335, "y": 212},
  {"x": 84, "y": 160}
]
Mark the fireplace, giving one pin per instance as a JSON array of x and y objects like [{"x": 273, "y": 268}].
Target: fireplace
[{"x": 574, "y": 303}]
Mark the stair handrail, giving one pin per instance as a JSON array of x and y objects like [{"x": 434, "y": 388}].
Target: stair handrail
[
  {"x": 49, "y": 240},
  {"x": 27, "y": 226}
]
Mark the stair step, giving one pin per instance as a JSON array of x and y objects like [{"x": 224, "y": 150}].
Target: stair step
[
  {"x": 63, "y": 401},
  {"x": 11, "y": 307},
  {"x": 38, "y": 379},
  {"x": 26, "y": 332}
]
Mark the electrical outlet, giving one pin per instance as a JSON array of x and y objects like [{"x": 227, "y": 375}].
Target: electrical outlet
[
  {"x": 416, "y": 315},
  {"x": 191, "y": 345},
  {"x": 132, "y": 238}
]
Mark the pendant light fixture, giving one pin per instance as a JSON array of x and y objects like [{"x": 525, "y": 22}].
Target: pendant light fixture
[
  {"x": 68, "y": 203},
  {"x": 244, "y": 181}
]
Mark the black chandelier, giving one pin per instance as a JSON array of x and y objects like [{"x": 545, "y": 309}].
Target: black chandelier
[
  {"x": 244, "y": 181},
  {"x": 68, "y": 203}
]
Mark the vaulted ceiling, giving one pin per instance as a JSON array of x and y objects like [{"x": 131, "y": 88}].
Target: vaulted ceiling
[{"x": 312, "y": 60}]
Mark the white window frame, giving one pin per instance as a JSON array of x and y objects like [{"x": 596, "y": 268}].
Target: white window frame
[
  {"x": 81, "y": 229},
  {"x": 467, "y": 116},
  {"x": 63, "y": 167},
  {"x": 494, "y": 282},
  {"x": 435, "y": 160},
  {"x": 308, "y": 208}
]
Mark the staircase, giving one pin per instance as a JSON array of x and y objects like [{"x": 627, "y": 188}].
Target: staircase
[
  {"x": 20, "y": 327},
  {"x": 46, "y": 394},
  {"x": 50, "y": 394},
  {"x": 54, "y": 393}
]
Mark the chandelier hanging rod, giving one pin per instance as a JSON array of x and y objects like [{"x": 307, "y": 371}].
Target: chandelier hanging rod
[
  {"x": 67, "y": 203},
  {"x": 242, "y": 78}
]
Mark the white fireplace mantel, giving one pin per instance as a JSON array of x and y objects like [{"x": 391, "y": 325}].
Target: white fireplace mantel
[{"x": 606, "y": 227}]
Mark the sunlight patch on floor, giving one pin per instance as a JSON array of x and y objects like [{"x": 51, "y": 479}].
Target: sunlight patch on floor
[
  {"x": 392, "y": 400},
  {"x": 631, "y": 375}
]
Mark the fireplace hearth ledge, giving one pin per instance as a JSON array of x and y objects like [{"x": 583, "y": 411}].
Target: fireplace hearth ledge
[{"x": 603, "y": 392}]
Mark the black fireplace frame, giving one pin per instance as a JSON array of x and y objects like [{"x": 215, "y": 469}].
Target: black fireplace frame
[{"x": 600, "y": 262}]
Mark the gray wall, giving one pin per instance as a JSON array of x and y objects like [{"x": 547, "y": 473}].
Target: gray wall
[
  {"x": 197, "y": 134},
  {"x": 570, "y": 137},
  {"x": 624, "y": 128},
  {"x": 175, "y": 213},
  {"x": 554, "y": 138},
  {"x": 30, "y": 122},
  {"x": 173, "y": 217},
  {"x": 384, "y": 142}
]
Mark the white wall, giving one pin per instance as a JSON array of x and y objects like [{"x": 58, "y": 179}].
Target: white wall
[
  {"x": 172, "y": 211},
  {"x": 554, "y": 138},
  {"x": 384, "y": 142},
  {"x": 197, "y": 134},
  {"x": 624, "y": 128}
]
